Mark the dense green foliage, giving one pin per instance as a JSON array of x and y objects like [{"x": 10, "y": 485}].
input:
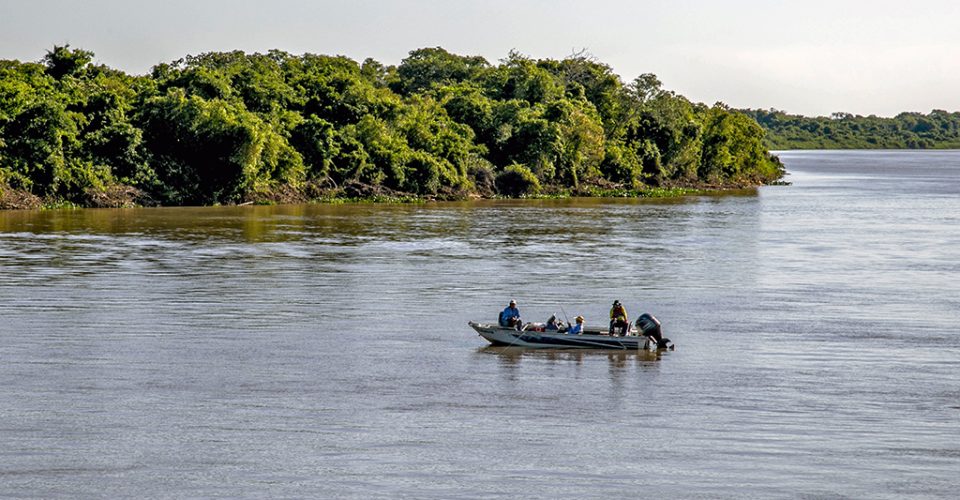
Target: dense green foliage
[
  {"x": 235, "y": 127},
  {"x": 936, "y": 130}
]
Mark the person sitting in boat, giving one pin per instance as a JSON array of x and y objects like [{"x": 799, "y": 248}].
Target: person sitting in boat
[
  {"x": 553, "y": 324},
  {"x": 510, "y": 317},
  {"x": 578, "y": 328},
  {"x": 618, "y": 318}
]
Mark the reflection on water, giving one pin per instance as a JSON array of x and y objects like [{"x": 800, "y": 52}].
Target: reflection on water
[
  {"x": 616, "y": 358},
  {"x": 323, "y": 350}
]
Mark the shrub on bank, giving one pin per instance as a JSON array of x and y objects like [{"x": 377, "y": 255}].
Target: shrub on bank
[{"x": 516, "y": 181}]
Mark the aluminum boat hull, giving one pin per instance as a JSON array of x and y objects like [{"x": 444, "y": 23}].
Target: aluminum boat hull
[{"x": 591, "y": 339}]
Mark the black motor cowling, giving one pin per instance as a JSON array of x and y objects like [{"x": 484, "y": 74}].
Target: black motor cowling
[{"x": 649, "y": 326}]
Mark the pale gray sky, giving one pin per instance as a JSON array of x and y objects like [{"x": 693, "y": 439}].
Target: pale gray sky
[{"x": 810, "y": 57}]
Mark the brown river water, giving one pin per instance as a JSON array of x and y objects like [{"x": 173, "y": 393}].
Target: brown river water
[{"x": 322, "y": 351}]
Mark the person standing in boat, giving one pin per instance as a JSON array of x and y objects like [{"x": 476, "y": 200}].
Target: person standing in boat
[
  {"x": 510, "y": 316},
  {"x": 576, "y": 329},
  {"x": 618, "y": 318}
]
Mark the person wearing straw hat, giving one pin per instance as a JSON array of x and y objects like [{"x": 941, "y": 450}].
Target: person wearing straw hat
[{"x": 576, "y": 329}]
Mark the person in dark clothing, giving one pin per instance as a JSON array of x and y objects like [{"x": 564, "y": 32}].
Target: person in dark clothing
[
  {"x": 553, "y": 324},
  {"x": 618, "y": 318}
]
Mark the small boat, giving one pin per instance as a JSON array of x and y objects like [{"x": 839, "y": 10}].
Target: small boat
[{"x": 534, "y": 336}]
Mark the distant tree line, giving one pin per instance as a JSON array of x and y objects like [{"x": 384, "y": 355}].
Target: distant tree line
[
  {"x": 935, "y": 130},
  {"x": 231, "y": 127}
]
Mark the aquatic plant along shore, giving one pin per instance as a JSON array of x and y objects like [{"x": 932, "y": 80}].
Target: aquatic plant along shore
[{"x": 226, "y": 128}]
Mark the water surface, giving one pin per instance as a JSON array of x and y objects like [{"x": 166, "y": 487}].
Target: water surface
[{"x": 323, "y": 351}]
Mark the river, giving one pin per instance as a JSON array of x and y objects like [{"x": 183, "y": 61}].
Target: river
[{"x": 323, "y": 350}]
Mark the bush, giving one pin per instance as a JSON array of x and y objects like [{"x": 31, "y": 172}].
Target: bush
[
  {"x": 620, "y": 164},
  {"x": 422, "y": 174},
  {"x": 516, "y": 181},
  {"x": 480, "y": 172}
]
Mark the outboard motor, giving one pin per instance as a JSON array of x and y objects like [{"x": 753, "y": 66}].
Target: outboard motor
[{"x": 650, "y": 327}]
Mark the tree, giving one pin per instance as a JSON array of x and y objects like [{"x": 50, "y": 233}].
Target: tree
[
  {"x": 733, "y": 150},
  {"x": 427, "y": 67},
  {"x": 580, "y": 144},
  {"x": 212, "y": 151},
  {"x": 61, "y": 61}
]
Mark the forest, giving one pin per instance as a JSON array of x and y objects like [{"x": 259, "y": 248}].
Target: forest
[
  {"x": 232, "y": 128},
  {"x": 935, "y": 130}
]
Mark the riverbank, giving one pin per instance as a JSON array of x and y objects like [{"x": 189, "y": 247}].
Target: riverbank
[{"x": 129, "y": 197}]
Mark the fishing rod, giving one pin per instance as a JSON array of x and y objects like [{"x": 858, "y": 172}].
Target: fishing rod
[{"x": 565, "y": 318}]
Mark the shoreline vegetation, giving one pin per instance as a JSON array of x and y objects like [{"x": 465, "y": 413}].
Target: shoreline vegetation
[
  {"x": 231, "y": 128},
  {"x": 935, "y": 130}
]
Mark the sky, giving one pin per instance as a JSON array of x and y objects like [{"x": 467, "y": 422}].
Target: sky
[{"x": 810, "y": 57}]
